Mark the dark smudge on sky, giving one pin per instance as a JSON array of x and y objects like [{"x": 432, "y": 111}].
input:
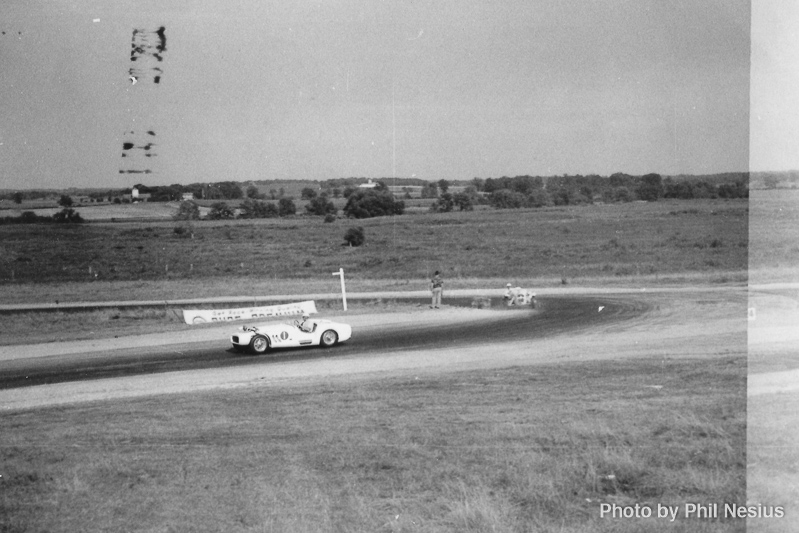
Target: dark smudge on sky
[
  {"x": 129, "y": 148},
  {"x": 145, "y": 46},
  {"x": 147, "y": 50}
]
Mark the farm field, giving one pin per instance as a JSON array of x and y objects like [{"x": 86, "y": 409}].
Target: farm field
[{"x": 566, "y": 243}]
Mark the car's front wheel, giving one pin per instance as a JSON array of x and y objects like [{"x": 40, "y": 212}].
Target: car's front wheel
[
  {"x": 329, "y": 338},
  {"x": 259, "y": 344}
]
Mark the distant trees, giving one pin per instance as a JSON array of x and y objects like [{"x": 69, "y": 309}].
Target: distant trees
[
  {"x": 286, "y": 207},
  {"x": 168, "y": 193},
  {"x": 67, "y": 216},
  {"x": 254, "y": 193},
  {"x": 321, "y": 206},
  {"x": 463, "y": 201},
  {"x": 444, "y": 204},
  {"x": 17, "y": 197},
  {"x": 650, "y": 188},
  {"x": 308, "y": 193},
  {"x": 29, "y": 217},
  {"x": 622, "y": 194},
  {"x": 771, "y": 182},
  {"x": 258, "y": 209},
  {"x": 733, "y": 190},
  {"x": 447, "y": 202},
  {"x": 187, "y": 210},
  {"x": 507, "y": 199},
  {"x": 229, "y": 190},
  {"x": 367, "y": 203},
  {"x": 65, "y": 200},
  {"x": 221, "y": 211},
  {"x": 429, "y": 190}
]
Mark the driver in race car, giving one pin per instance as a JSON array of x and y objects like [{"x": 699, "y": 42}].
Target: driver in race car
[
  {"x": 518, "y": 296},
  {"x": 303, "y": 323},
  {"x": 511, "y": 294}
]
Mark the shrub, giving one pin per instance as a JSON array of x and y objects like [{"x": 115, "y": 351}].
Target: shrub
[
  {"x": 320, "y": 206},
  {"x": 507, "y": 199},
  {"x": 355, "y": 236},
  {"x": 221, "y": 211},
  {"x": 29, "y": 217},
  {"x": 67, "y": 216},
  {"x": 308, "y": 193},
  {"x": 258, "y": 209},
  {"x": 651, "y": 188},
  {"x": 65, "y": 201},
  {"x": 623, "y": 194},
  {"x": 187, "y": 210},
  {"x": 286, "y": 207},
  {"x": 444, "y": 204},
  {"x": 463, "y": 201},
  {"x": 373, "y": 203},
  {"x": 330, "y": 217},
  {"x": 254, "y": 193}
]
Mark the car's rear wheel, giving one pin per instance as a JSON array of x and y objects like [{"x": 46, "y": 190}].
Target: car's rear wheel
[
  {"x": 329, "y": 338},
  {"x": 259, "y": 344}
]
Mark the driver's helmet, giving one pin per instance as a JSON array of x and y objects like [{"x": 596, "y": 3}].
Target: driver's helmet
[
  {"x": 509, "y": 285},
  {"x": 306, "y": 316}
]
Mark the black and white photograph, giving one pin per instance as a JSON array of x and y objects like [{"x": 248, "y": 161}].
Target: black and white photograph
[{"x": 413, "y": 266}]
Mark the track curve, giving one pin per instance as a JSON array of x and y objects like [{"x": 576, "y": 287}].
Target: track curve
[{"x": 554, "y": 316}]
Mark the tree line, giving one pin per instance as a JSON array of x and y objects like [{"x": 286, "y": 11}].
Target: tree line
[{"x": 535, "y": 191}]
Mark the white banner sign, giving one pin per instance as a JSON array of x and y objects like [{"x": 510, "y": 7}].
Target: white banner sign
[{"x": 197, "y": 316}]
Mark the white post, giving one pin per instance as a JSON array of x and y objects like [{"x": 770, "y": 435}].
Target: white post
[{"x": 340, "y": 273}]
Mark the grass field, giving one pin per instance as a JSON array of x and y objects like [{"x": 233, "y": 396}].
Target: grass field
[
  {"x": 619, "y": 240},
  {"x": 523, "y": 449},
  {"x": 773, "y": 236}
]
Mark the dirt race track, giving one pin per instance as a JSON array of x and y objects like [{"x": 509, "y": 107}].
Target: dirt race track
[{"x": 573, "y": 325}]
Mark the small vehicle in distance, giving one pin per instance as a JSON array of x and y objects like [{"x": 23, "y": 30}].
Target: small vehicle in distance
[{"x": 312, "y": 332}]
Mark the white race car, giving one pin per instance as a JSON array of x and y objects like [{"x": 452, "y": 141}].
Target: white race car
[{"x": 314, "y": 332}]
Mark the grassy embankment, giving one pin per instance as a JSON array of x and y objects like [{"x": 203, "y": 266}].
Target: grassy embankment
[{"x": 522, "y": 449}]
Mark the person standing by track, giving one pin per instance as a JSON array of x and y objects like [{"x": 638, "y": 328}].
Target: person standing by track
[{"x": 436, "y": 288}]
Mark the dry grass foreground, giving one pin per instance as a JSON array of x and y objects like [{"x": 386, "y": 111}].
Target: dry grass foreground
[
  {"x": 536, "y": 439},
  {"x": 517, "y": 449}
]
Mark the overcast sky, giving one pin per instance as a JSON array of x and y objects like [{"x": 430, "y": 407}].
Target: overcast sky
[{"x": 448, "y": 89}]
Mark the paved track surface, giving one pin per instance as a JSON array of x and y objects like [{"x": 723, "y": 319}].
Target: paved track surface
[{"x": 553, "y": 316}]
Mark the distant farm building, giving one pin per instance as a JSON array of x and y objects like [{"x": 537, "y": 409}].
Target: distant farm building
[
  {"x": 188, "y": 196},
  {"x": 136, "y": 196}
]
